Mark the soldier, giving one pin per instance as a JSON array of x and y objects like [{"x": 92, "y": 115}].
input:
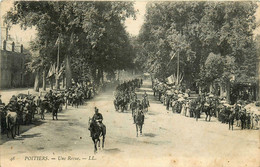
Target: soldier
[
  {"x": 55, "y": 107},
  {"x": 139, "y": 107},
  {"x": 44, "y": 105},
  {"x": 168, "y": 99},
  {"x": 97, "y": 117},
  {"x": 38, "y": 104}
]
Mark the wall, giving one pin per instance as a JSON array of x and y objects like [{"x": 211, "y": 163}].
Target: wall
[{"x": 12, "y": 70}]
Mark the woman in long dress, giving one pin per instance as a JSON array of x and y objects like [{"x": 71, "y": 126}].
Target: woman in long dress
[
  {"x": 183, "y": 108},
  {"x": 188, "y": 108}
]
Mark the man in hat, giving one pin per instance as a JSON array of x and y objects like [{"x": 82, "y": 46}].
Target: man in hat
[{"x": 97, "y": 117}]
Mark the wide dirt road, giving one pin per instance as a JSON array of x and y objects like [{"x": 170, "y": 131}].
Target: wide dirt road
[{"x": 168, "y": 140}]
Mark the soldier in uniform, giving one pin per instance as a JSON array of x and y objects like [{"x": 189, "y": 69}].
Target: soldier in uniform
[
  {"x": 97, "y": 118},
  {"x": 55, "y": 107},
  {"x": 139, "y": 108},
  {"x": 38, "y": 104}
]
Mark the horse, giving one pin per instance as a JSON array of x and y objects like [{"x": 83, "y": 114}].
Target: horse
[
  {"x": 124, "y": 103},
  {"x": 3, "y": 118},
  {"x": 133, "y": 107},
  {"x": 12, "y": 124},
  {"x": 116, "y": 104},
  {"x": 139, "y": 121},
  {"x": 145, "y": 104},
  {"x": 75, "y": 100},
  {"x": 197, "y": 110},
  {"x": 208, "y": 111},
  {"x": 231, "y": 118},
  {"x": 96, "y": 132}
]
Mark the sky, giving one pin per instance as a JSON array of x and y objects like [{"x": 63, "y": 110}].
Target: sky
[{"x": 132, "y": 26}]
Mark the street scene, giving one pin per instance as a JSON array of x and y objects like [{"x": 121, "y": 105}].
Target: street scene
[{"x": 129, "y": 84}]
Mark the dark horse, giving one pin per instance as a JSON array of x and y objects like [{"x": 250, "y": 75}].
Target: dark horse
[
  {"x": 116, "y": 104},
  {"x": 96, "y": 132},
  {"x": 139, "y": 121},
  {"x": 145, "y": 104},
  {"x": 208, "y": 111}
]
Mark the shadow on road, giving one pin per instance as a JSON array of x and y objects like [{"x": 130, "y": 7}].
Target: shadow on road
[
  {"x": 23, "y": 128},
  {"x": 149, "y": 134},
  {"x": 112, "y": 150},
  {"x": 31, "y": 135}
]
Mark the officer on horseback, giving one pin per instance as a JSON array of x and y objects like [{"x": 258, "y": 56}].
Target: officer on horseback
[{"x": 97, "y": 117}]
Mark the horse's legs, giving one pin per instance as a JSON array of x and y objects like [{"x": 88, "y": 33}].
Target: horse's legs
[
  {"x": 95, "y": 145},
  {"x": 12, "y": 131},
  {"x": 103, "y": 141},
  {"x": 141, "y": 130},
  {"x": 18, "y": 129},
  {"x": 98, "y": 143}
]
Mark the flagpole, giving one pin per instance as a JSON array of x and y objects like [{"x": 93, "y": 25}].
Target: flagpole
[
  {"x": 178, "y": 68},
  {"x": 57, "y": 69}
]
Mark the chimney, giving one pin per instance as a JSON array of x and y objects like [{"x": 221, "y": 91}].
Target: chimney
[{"x": 13, "y": 47}]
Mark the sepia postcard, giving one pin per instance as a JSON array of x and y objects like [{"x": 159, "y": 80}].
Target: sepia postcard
[{"x": 129, "y": 83}]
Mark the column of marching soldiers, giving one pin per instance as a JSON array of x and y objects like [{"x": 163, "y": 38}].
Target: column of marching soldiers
[
  {"x": 181, "y": 102},
  {"x": 22, "y": 108}
]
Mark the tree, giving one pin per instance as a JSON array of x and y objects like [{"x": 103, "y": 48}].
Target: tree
[
  {"x": 196, "y": 29},
  {"x": 91, "y": 31}
]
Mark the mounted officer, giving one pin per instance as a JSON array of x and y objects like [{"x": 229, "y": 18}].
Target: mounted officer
[{"x": 96, "y": 120}]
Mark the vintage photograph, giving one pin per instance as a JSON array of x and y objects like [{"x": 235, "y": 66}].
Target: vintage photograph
[{"x": 129, "y": 83}]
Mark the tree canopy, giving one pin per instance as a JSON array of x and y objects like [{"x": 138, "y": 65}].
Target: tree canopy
[
  {"x": 92, "y": 33},
  {"x": 197, "y": 31}
]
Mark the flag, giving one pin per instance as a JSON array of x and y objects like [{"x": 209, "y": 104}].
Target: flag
[
  {"x": 170, "y": 79},
  {"x": 61, "y": 70},
  {"x": 51, "y": 70}
]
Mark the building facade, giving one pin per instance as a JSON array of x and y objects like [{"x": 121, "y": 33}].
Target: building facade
[{"x": 12, "y": 67}]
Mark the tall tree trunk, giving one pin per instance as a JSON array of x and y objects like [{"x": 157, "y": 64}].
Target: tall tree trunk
[
  {"x": 63, "y": 81},
  {"x": 221, "y": 90},
  {"x": 228, "y": 91},
  {"x": 36, "y": 81},
  {"x": 102, "y": 76},
  {"x": 211, "y": 88},
  {"x": 44, "y": 80},
  {"x": 99, "y": 76},
  {"x": 68, "y": 71}
]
